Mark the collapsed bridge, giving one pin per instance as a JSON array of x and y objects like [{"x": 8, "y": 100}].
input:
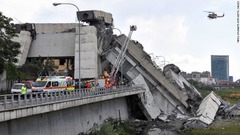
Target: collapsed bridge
[
  {"x": 167, "y": 92},
  {"x": 164, "y": 95}
]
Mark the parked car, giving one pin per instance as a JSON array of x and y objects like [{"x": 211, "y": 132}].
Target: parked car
[{"x": 17, "y": 88}]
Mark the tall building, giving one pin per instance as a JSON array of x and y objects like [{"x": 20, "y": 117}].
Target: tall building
[
  {"x": 230, "y": 78},
  {"x": 220, "y": 67}
]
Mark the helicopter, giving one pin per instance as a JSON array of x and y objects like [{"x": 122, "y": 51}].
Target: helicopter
[{"x": 213, "y": 15}]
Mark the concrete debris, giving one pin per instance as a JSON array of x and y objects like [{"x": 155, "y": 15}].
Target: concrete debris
[
  {"x": 159, "y": 131},
  {"x": 182, "y": 117},
  {"x": 207, "y": 109},
  {"x": 233, "y": 111},
  {"x": 194, "y": 124},
  {"x": 223, "y": 106},
  {"x": 166, "y": 95},
  {"x": 229, "y": 111},
  {"x": 149, "y": 106},
  {"x": 156, "y": 127},
  {"x": 206, "y": 112},
  {"x": 172, "y": 72},
  {"x": 167, "y": 91},
  {"x": 164, "y": 117},
  {"x": 212, "y": 107},
  {"x": 226, "y": 110}
]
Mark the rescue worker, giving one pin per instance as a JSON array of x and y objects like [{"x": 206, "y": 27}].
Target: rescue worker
[
  {"x": 88, "y": 85},
  {"x": 97, "y": 86},
  {"x": 92, "y": 86},
  {"x": 23, "y": 90}
]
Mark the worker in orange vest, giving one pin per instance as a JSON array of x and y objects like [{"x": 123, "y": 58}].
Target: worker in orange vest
[{"x": 89, "y": 85}]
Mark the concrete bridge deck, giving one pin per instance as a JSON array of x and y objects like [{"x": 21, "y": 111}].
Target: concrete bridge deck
[{"x": 14, "y": 106}]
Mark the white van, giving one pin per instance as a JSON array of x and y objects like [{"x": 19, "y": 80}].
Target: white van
[
  {"x": 53, "y": 84},
  {"x": 17, "y": 88}
]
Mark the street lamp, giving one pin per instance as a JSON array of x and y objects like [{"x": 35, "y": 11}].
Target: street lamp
[
  {"x": 118, "y": 30},
  {"x": 113, "y": 28},
  {"x": 56, "y": 4}
]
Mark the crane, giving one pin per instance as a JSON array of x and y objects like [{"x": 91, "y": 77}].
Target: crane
[{"x": 120, "y": 57}]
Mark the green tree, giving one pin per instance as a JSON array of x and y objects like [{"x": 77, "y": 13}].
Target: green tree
[
  {"x": 32, "y": 68},
  {"x": 13, "y": 73},
  {"x": 8, "y": 49}
]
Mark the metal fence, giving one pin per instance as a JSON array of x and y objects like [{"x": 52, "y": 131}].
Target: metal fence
[{"x": 17, "y": 101}]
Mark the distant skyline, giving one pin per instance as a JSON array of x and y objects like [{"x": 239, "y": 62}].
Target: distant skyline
[{"x": 177, "y": 30}]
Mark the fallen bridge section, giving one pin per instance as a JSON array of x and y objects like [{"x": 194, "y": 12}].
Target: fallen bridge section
[
  {"x": 148, "y": 104},
  {"x": 168, "y": 97},
  {"x": 206, "y": 112},
  {"x": 208, "y": 108},
  {"x": 173, "y": 74}
]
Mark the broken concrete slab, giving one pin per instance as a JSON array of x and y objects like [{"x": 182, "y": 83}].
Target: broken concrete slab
[
  {"x": 151, "y": 110},
  {"x": 172, "y": 73},
  {"x": 229, "y": 111},
  {"x": 208, "y": 108},
  {"x": 194, "y": 124}
]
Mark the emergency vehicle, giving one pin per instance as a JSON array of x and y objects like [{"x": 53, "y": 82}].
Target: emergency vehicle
[{"x": 53, "y": 84}]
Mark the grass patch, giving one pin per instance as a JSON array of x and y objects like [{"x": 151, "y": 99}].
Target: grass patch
[
  {"x": 230, "y": 95},
  {"x": 222, "y": 127}
]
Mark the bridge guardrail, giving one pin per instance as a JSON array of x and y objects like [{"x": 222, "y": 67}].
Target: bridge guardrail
[{"x": 17, "y": 101}]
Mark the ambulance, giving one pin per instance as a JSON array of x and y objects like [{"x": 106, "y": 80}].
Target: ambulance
[{"x": 53, "y": 84}]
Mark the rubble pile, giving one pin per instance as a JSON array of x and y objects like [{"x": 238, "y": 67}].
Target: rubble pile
[
  {"x": 172, "y": 72},
  {"x": 203, "y": 111}
]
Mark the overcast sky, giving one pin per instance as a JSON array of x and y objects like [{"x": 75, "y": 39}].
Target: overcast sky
[{"x": 177, "y": 30}]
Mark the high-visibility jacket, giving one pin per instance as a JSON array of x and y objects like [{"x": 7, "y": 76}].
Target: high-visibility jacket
[
  {"x": 88, "y": 85},
  {"x": 24, "y": 90}
]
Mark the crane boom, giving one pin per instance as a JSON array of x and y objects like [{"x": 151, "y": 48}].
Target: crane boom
[{"x": 121, "y": 55}]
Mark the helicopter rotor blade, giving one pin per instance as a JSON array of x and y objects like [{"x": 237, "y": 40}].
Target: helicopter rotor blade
[{"x": 208, "y": 11}]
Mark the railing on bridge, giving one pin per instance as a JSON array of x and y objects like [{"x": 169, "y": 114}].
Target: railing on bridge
[{"x": 17, "y": 101}]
